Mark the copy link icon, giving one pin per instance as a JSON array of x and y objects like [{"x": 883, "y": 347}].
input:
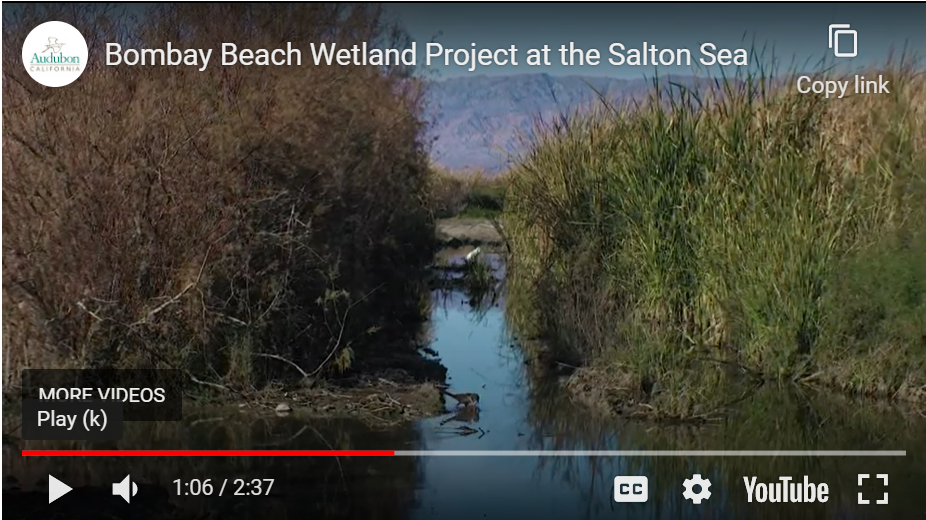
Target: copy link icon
[
  {"x": 703, "y": 488},
  {"x": 838, "y": 29}
]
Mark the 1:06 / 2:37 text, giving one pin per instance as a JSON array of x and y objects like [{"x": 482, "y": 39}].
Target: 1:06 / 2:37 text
[{"x": 239, "y": 487}]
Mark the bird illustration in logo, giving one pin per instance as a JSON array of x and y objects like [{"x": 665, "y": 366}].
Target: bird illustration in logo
[{"x": 53, "y": 45}]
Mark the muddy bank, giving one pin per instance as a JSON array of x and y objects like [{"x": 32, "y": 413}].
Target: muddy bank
[
  {"x": 379, "y": 403},
  {"x": 617, "y": 391},
  {"x": 606, "y": 393},
  {"x": 382, "y": 391},
  {"x": 455, "y": 232}
]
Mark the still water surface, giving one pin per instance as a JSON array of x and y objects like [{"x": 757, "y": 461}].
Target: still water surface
[{"x": 518, "y": 412}]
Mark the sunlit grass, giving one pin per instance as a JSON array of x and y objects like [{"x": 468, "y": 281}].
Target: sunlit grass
[{"x": 697, "y": 237}]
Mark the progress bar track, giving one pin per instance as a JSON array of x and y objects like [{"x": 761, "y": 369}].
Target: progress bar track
[
  {"x": 462, "y": 453},
  {"x": 663, "y": 453}
]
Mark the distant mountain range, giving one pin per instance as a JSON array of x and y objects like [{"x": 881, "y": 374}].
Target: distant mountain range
[{"x": 477, "y": 120}]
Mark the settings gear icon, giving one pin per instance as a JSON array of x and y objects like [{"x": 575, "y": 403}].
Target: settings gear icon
[{"x": 704, "y": 486}]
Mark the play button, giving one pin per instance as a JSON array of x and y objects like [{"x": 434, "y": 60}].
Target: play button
[{"x": 56, "y": 489}]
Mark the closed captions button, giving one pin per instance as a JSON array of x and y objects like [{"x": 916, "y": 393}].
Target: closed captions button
[{"x": 631, "y": 489}]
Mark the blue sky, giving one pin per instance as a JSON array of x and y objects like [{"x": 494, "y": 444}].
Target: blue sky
[{"x": 797, "y": 32}]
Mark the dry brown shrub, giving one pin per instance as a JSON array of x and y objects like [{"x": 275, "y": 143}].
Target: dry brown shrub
[{"x": 163, "y": 216}]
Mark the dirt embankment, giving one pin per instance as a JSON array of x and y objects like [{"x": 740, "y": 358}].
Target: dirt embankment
[
  {"x": 383, "y": 391},
  {"x": 460, "y": 231},
  {"x": 376, "y": 401}
]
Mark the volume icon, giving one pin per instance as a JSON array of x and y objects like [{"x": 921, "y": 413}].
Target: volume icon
[{"x": 122, "y": 489}]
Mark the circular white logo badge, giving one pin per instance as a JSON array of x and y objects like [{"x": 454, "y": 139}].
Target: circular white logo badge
[{"x": 55, "y": 54}]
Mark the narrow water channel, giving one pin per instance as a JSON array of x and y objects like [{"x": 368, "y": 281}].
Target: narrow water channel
[{"x": 518, "y": 411}]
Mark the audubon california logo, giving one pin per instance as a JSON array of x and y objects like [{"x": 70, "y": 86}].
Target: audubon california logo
[{"x": 55, "y": 54}]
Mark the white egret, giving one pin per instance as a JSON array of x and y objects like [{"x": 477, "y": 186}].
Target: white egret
[{"x": 473, "y": 254}]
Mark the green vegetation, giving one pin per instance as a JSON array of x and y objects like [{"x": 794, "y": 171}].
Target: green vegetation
[
  {"x": 467, "y": 194},
  {"x": 479, "y": 276},
  {"x": 243, "y": 223},
  {"x": 749, "y": 234}
]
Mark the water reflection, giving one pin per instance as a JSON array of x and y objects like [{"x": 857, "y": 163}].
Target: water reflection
[
  {"x": 523, "y": 411},
  {"x": 775, "y": 420}
]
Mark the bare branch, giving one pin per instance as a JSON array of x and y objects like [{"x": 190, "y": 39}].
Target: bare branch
[{"x": 283, "y": 359}]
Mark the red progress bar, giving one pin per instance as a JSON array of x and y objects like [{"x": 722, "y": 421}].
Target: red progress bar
[{"x": 208, "y": 453}]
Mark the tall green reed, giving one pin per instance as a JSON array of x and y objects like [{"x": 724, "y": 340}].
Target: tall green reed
[{"x": 708, "y": 223}]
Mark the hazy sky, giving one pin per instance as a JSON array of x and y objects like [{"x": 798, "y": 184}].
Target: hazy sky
[{"x": 797, "y": 31}]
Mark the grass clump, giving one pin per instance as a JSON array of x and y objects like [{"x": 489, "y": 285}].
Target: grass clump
[
  {"x": 734, "y": 234},
  {"x": 479, "y": 277},
  {"x": 473, "y": 275},
  {"x": 242, "y": 223}
]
